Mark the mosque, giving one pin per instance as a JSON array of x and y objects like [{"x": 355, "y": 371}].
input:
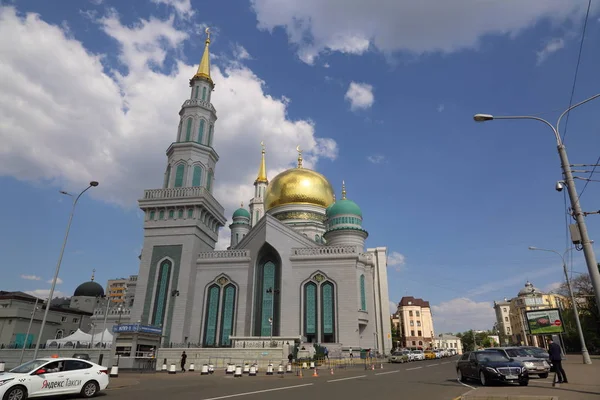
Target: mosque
[{"x": 296, "y": 266}]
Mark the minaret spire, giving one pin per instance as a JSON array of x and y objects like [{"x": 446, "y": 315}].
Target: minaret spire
[
  {"x": 262, "y": 169},
  {"x": 343, "y": 190},
  {"x": 93, "y": 273},
  {"x": 204, "y": 67},
  {"x": 299, "y": 156}
]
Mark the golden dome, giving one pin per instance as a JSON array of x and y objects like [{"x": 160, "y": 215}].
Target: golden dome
[{"x": 299, "y": 186}]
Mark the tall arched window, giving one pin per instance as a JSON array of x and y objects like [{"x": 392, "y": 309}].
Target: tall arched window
[
  {"x": 197, "y": 177},
  {"x": 160, "y": 296},
  {"x": 201, "y": 131},
  {"x": 204, "y": 93},
  {"x": 212, "y": 312},
  {"x": 210, "y": 135},
  {"x": 228, "y": 309},
  {"x": 188, "y": 130},
  {"x": 179, "y": 175},
  {"x": 310, "y": 311},
  {"x": 328, "y": 312},
  {"x": 268, "y": 282},
  {"x": 363, "y": 295},
  {"x": 196, "y": 92},
  {"x": 209, "y": 180},
  {"x": 167, "y": 176}
]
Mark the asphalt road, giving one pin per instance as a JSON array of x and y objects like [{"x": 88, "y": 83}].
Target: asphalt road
[{"x": 427, "y": 380}]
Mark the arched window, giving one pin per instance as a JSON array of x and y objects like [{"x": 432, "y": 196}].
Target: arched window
[
  {"x": 197, "y": 177},
  {"x": 237, "y": 238},
  {"x": 210, "y": 135},
  {"x": 363, "y": 295},
  {"x": 167, "y": 176},
  {"x": 188, "y": 130},
  {"x": 196, "y": 92},
  {"x": 201, "y": 131},
  {"x": 268, "y": 282},
  {"x": 204, "y": 93},
  {"x": 160, "y": 297},
  {"x": 310, "y": 311},
  {"x": 212, "y": 311},
  {"x": 256, "y": 216},
  {"x": 209, "y": 180},
  {"x": 328, "y": 312},
  {"x": 179, "y": 175},
  {"x": 228, "y": 309}
]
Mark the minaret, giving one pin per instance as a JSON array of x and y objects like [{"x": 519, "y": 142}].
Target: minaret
[
  {"x": 240, "y": 225},
  {"x": 182, "y": 218},
  {"x": 257, "y": 204},
  {"x": 344, "y": 223}
]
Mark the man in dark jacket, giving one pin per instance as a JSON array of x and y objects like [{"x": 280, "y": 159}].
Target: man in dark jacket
[
  {"x": 183, "y": 359},
  {"x": 555, "y": 353}
]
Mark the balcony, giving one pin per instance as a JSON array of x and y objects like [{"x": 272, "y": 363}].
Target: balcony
[
  {"x": 198, "y": 102},
  {"x": 182, "y": 193}
]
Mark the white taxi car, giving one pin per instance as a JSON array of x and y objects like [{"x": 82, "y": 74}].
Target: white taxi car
[{"x": 53, "y": 376}]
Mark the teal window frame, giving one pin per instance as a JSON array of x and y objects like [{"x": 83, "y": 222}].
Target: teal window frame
[
  {"x": 363, "y": 294},
  {"x": 161, "y": 215},
  {"x": 211, "y": 314},
  {"x": 201, "y": 131},
  {"x": 204, "y": 93},
  {"x": 228, "y": 305},
  {"x": 328, "y": 314},
  {"x": 209, "y": 180},
  {"x": 152, "y": 215},
  {"x": 310, "y": 310},
  {"x": 197, "y": 176},
  {"x": 196, "y": 92},
  {"x": 269, "y": 276},
  {"x": 180, "y": 213},
  {"x": 190, "y": 213},
  {"x": 179, "y": 173},
  {"x": 210, "y": 135},
  {"x": 171, "y": 214},
  {"x": 188, "y": 130},
  {"x": 161, "y": 296}
]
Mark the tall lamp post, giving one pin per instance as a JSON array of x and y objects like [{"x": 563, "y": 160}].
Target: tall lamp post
[
  {"x": 584, "y": 350},
  {"x": 35, "y": 308},
  {"x": 588, "y": 250},
  {"x": 55, "y": 278}
]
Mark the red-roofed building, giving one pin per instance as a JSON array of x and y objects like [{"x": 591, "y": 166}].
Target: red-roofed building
[{"x": 415, "y": 323}]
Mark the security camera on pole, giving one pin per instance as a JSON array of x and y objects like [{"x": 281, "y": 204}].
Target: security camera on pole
[{"x": 579, "y": 236}]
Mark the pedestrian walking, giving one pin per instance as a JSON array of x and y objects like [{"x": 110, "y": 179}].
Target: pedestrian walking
[
  {"x": 555, "y": 353},
  {"x": 350, "y": 351},
  {"x": 183, "y": 359}
]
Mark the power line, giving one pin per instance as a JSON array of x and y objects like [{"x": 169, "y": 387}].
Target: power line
[
  {"x": 589, "y": 178},
  {"x": 587, "y": 14}
]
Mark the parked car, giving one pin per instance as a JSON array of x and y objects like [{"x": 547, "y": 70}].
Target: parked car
[
  {"x": 417, "y": 355},
  {"x": 429, "y": 355},
  {"x": 399, "y": 357},
  {"x": 535, "y": 365},
  {"x": 82, "y": 356},
  {"x": 491, "y": 366}
]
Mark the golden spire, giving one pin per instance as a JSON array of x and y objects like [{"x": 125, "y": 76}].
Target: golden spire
[
  {"x": 343, "y": 190},
  {"x": 262, "y": 169},
  {"x": 204, "y": 67},
  {"x": 299, "y": 156}
]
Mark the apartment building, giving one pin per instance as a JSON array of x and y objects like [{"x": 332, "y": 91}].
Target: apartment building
[{"x": 416, "y": 323}]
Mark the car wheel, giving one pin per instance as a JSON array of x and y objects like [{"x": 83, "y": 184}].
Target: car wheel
[
  {"x": 482, "y": 378},
  {"x": 90, "y": 389},
  {"x": 16, "y": 393},
  {"x": 544, "y": 376},
  {"x": 459, "y": 375}
]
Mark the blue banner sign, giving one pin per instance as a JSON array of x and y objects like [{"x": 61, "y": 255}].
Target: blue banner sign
[{"x": 134, "y": 328}]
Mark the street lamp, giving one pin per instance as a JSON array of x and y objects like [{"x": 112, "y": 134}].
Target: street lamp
[
  {"x": 588, "y": 250},
  {"x": 584, "y": 350},
  {"x": 35, "y": 308},
  {"x": 60, "y": 257}
]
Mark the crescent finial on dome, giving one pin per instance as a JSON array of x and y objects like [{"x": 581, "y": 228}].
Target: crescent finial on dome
[
  {"x": 343, "y": 190},
  {"x": 299, "y": 156}
]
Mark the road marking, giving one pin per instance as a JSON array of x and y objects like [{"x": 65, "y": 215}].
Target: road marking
[
  {"x": 258, "y": 391},
  {"x": 432, "y": 365},
  {"x": 342, "y": 379},
  {"x": 464, "y": 384},
  {"x": 410, "y": 369},
  {"x": 447, "y": 362},
  {"x": 385, "y": 373}
]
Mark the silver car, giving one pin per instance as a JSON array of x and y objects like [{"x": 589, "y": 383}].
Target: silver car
[{"x": 534, "y": 365}]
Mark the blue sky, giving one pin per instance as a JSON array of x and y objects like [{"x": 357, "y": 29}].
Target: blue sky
[{"x": 381, "y": 97}]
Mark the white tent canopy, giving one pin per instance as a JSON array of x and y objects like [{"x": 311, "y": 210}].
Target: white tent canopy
[
  {"x": 107, "y": 339},
  {"x": 78, "y": 336}
]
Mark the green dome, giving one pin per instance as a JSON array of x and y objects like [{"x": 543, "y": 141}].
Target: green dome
[
  {"x": 241, "y": 212},
  {"x": 344, "y": 207}
]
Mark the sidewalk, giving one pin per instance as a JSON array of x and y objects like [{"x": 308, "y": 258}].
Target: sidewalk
[{"x": 584, "y": 384}]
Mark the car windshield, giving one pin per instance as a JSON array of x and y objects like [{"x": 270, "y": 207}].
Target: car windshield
[
  {"x": 491, "y": 357},
  {"x": 517, "y": 353},
  {"x": 536, "y": 351},
  {"x": 28, "y": 367}
]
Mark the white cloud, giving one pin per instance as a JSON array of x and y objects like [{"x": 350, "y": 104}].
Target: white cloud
[
  {"x": 552, "y": 46},
  {"x": 326, "y": 65},
  {"x": 360, "y": 96},
  {"x": 31, "y": 277},
  {"x": 43, "y": 293},
  {"x": 461, "y": 314},
  {"x": 240, "y": 52},
  {"x": 182, "y": 7},
  {"x": 552, "y": 287},
  {"x": 441, "y": 108},
  {"x": 396, "y": 260},
  {"x": 58, "y": 281},
  {"x": 514, "y": 281},
  {"x": 130, "y": 119},
  {"x": 393, "y": 307},
  {"x": 376, "y": 159},
  {"x": 353, "y": 26}
]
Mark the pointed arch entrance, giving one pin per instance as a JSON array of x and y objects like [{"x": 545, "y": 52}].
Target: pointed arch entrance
[{"x": 267, "y": 294}]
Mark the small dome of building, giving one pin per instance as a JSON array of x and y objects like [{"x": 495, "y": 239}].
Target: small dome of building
[
  {"x": 529, "y": 290},
  {"x": 241, "y": 213},
  {"x": 89, "y": 289},
  {"x": 344, "y": 207}
]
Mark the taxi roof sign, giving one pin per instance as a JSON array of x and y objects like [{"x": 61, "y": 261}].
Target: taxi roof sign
[{"x": 54, "y": 356}]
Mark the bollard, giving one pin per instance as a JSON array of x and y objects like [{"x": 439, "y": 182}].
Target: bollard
[
  {"x": 304, "y": 366},
  {"x": 204, "y": 370},
  {"x": 114, "y": 371},
  {"x": 252, "y": 371},
  {"x": 280, "y": 369},
  {"x": 172, "y": 369},
  {"x": 230, "y": 369},
  {"x": 192, "y": 368},
  {"x": 164, "y": 367},
  {"x": 312, "y": 365},
  {"x": 211, "y": 368},
  {"x": 2, "y": 366},
  {"x": 270, "y": 369},
  {"x": 289, "y": 368},
  {"x": 238, "y": 372},
  {"x": 246, "y": 368}
]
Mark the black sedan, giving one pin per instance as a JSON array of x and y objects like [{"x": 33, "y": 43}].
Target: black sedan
[{"x": 489, "y": 367}]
